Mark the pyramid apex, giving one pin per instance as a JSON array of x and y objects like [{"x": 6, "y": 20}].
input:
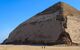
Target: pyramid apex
[
  {"x": 58, "y": 6},
  {"x": 60, "y": 2}
]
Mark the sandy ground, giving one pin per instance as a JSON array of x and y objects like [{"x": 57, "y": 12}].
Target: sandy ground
[{"x": 28, "y": 47}]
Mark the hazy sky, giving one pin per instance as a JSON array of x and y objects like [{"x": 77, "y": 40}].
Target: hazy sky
[{"x": 14, "y": 12}]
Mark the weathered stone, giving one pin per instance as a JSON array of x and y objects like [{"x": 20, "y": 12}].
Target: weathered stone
[{"x": 48, "y": 26}]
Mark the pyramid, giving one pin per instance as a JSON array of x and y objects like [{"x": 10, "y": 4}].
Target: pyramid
[{"x": 48, "y": 26}]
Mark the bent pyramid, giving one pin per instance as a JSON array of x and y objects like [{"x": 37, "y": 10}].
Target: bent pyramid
[{"x": 47, "y": 26}]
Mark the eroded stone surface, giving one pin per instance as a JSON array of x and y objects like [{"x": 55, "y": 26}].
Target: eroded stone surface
[{"x": 73, "y": 29}]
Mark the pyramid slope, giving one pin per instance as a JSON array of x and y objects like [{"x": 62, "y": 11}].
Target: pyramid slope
[
  {"x": 69, "y": 10},
  {"x": 45, "y": 26},
  {"x": 45, "y": 30}
]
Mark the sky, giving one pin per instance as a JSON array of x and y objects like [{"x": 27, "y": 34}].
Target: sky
[{"x": 14, "y": 12}]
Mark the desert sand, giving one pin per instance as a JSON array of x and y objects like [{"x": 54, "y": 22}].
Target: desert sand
[{"x": 28, "y": 47}]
